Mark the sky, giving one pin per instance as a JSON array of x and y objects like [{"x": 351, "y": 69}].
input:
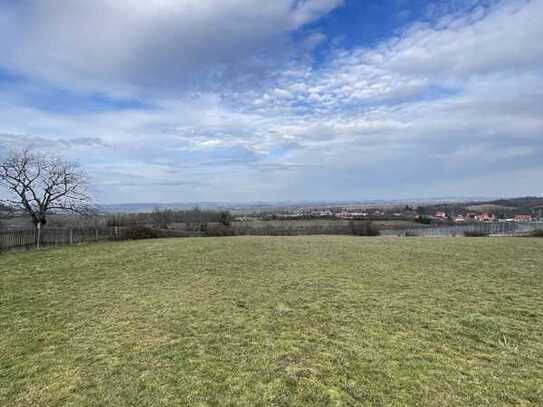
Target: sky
[{"x": 253, "y": 100}]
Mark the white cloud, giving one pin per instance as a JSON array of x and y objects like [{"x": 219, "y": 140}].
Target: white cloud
[
  {"x": 314, "y": 40},
  {"x": 502, "y": 38},
  {"x": 307, "y": 11},
  {"x": 114, "y": 45}
]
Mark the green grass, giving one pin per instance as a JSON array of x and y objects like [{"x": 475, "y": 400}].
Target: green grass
[{"x": 301, "y": 321}]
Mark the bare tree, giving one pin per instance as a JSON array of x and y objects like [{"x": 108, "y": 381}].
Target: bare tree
[{"x": 38, "y": 185}]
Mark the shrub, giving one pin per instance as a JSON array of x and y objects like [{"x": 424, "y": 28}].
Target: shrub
[
  {"x": 139, "y": 232},
  {"x": 220, "y": 230},
  {"x": 536, "y": 233},
  {"x": 423, "y": 220},
  {"x": 475, "y": 233},
  {"x": 359, "y": 228},
  {"x": 226, "y": 218}
]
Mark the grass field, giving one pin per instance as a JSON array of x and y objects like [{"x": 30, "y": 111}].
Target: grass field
[{"x": 301, "y": 321}]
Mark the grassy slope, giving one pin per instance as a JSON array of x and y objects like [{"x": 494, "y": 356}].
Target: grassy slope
[{"x": 274, "y": 321}]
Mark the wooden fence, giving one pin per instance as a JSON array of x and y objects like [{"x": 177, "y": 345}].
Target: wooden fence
[{"x": 28, "y": 238}]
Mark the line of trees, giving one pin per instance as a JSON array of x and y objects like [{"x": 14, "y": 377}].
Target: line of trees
[
  {"x": 161, "y": 218},
  {"x": 355, "y": 227}
]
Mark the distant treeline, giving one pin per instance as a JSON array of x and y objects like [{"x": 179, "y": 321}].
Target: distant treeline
[
  {"x": 527, "y": 202},
  {"x": 165, "y": 217},
  {"x": 355, "y": 227}
]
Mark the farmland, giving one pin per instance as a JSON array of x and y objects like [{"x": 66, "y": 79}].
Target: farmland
[{"x": 258, "y": 321}]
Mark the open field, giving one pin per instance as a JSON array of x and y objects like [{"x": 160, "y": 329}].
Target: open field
[
  {"x": 258, "y": 321},
  {"x": 383, "y": 224}
]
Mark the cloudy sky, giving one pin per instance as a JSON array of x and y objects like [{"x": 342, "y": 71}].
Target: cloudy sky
[{"x": 247, "y": 100}]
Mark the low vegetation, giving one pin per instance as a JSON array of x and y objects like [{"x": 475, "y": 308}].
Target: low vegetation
[
  {"x": 424, "y": 220},
  {"x": 164, "y": 217},
  {"x": 536, "y": 233},
  {"x": 476, "y": 233},
  {"x": 293, "y": 228},
  {"x": 260, "y": 321},
  {"x": 138, "y": 233}
]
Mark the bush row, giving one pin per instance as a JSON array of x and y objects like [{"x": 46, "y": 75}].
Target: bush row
[{"x": 356, "y": 228}]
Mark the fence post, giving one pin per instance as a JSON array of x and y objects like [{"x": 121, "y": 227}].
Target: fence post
[
  {"x": 96, "y": 231},
  {"x": 71, "y": 236},
  {"x": 38, "y": 226}
]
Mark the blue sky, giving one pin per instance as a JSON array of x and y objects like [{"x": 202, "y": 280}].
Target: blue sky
[{"x": 244, "y": 100}]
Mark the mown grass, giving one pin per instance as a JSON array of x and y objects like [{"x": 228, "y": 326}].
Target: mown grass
[{"x": 299, "y": 321}]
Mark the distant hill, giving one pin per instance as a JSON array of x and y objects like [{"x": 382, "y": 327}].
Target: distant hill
[
  {"x": 528, "y": 202},
  {"x": 488, "y": 207},
  {"x": 508, "y": 207}
]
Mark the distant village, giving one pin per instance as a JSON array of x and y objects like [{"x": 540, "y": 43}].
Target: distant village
[{"x": 420, "y": 214}]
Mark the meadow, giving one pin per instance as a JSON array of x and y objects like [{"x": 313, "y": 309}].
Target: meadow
[{"x": 274, "y": 321}]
